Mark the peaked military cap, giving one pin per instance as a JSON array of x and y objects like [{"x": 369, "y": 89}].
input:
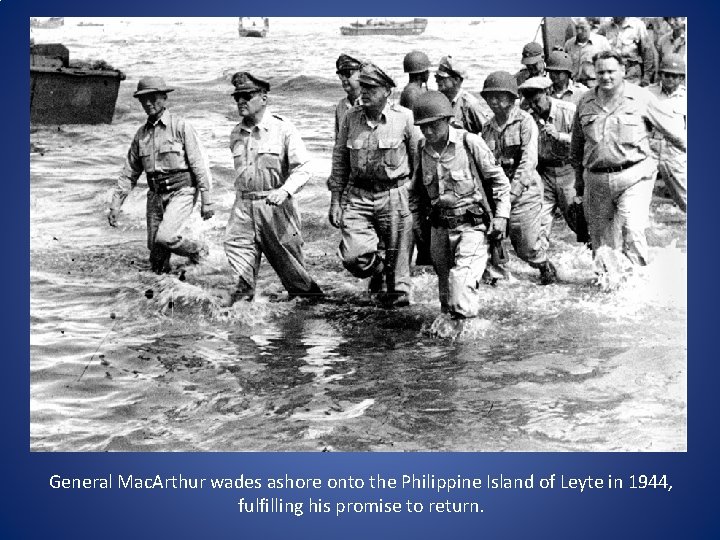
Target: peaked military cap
[
  {"x": 536, "y": 83},
  {"x": 449, "y": 67},
  {"x": 151, "y": 85},
  {"x": 371, "y": 75},
  {"x": 345, "y": 61},
  {"x": 532, "y": 53},
  {"x": 245, "y": 82}
]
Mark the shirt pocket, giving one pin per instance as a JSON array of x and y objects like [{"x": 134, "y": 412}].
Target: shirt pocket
[
  {"x": 431, "y": 185},
  {"x": 512, "y": 149},
  {"x": 392, "y": 152},
  {"x": 357, "y": 149},
  {"x": 269, "y": 165},
  {"x": 463, "y": 184},
  {"x": 631, "y": 129},
  {"x": 591, "y": 127},
  {"x": 171, "y": 155}
]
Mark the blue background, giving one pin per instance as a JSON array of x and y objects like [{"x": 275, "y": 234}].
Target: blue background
[{"x": 30, "y": 509}]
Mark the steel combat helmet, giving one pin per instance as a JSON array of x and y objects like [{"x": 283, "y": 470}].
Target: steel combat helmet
[
  {"x": 416, "y": 62},
  {"x": 431, "y": 106}
]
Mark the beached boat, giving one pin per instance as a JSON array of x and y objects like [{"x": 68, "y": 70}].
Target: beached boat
[
  {"x": 50, "y": 22},
  {"x": 555, "y": 32},
  {"x": 253, "y": 26},
  {"x": 384, "y": 27},
  {"x": 83, "y": 23},
  {"x": 64, "y": 93}
]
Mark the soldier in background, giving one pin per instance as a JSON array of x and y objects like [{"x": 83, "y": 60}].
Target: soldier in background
[
  {"x": 271, "y": 166},
  {"x": 584, "y": 45},
  {"x": 469, "y": 114},
  {"x": 417, "y": 65},
  {"x": 533, "y": 62},
  {"x": 168, "y": 150},
  {"x": 672, "y": 95},
  {"x": 559, "y": 69},
  {"x": 674, "y": 41},
  {"x": 348, "y": 71},
  {"x": 373, "y": 160},
  {"x": 629, "y": 38}
]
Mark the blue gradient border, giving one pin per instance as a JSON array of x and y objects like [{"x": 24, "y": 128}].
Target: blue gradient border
[{"x": 31, "y": 509}]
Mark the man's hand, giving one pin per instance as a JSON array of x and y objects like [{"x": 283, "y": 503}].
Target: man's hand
[
  {"x": 335, "y": 215},
  {"x": 551, "y": 131},
  {"x": 276, "y": 197},
  {"x": 498, "y": 228},
  {"x": 206, "y": 210}
]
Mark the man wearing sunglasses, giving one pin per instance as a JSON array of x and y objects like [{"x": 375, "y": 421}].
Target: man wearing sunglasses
[
  {"x": 373, "y": 160},
  {"x": 671, "y": 92},
  {"x": 168, "y": 150},
  {"x": 271, "y": 166}
]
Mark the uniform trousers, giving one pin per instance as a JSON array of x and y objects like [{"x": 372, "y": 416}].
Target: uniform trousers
[{"x": 558, "y": 192}]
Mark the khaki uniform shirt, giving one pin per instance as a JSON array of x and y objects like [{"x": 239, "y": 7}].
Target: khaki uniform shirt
[
  {"x": 269, "y": 155},
  {"x": 572, "y": 93},
  {"x": 668, "y": 45},
  {"x": 469, "y": 114},
  {"x": 382, "y": 153},
  {"x": 561, "y": 116},
  {"x": 618, "y": 133},
  {"x": 448, "y": 177},
  {"x": 342, "y": 108},
  {"x": 170, "y": 144},
  {"x": 632, "y": 41},
  {"x": 584, "y": 52},
  {"x": 675, "y": 105},
  {"x": 515, "y": 147}
]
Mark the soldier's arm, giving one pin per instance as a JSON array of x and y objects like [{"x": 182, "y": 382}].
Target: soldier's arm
[
  {"x": 340, "y": 173},
  {"x": 577, "y": 147},
  {"x": 492, "y": 172},
  {"x": 131, "y": 171},
  {"x": 298, "y": 160},
  {"x": 659, "y": 117},
  {"x": 412, "y": 136},
  {"x": 529, "y": 152},
  {"x": 197, "y": 159}
]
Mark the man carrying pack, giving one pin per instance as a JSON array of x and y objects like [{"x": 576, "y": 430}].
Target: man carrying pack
[
  {"x": 271, "y": 166},
  {"x": 373, "y": 160},
  {"x": 454, "y": 165},
  {"x": 168, "y": 150}
]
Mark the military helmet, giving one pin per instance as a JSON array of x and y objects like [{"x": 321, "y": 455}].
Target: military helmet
[
  {"x": 500, "y": 81},
  {"x": 416, "y": 62},
  {"x": 559, "y": 61},
  {"x": 431, "y": 106},
  {"x": 672, "y": 63}
]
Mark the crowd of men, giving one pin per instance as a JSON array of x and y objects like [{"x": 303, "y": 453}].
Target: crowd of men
[{"x": 440, "y": 173}]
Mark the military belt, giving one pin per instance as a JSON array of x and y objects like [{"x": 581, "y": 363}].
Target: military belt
[
  {"x": 616, "y": 169},
  {"x": 474, "y": 215},
  {"x": 158, "y": 181},
  {"x": 552, "y": 162},
  {"x": 378, "y": 186},
  {"x": 254, "y": 195}
]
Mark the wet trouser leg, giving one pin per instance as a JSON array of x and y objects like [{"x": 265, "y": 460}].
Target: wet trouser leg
[
  {"x": 167, "y": 225},
  {"x": 459, "y": 258},
  {"x": 366, "y": 223},
  {"x": 558, "y": 192},
  {"x": 672, "y": 165},
  {"x": 618, "y": 204},
  {"x": 241, "y": 248},
  {"x": 525, "y": 232},
  {"x": 280, "y": 239}
]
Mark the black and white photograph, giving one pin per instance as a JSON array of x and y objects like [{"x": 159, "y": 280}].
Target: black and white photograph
[{"x": 358, "y": 234}]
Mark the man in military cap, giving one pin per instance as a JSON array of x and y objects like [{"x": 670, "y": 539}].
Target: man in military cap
[
  {"x": 512, "y": 137},
  {"x": 417, "y": 65},
  {"x": 554, "y": 118},
  {"x": 559, "y": 69},
  {"x": 672, "y": 95},
  {"x": 533, "y": 62},
  {"x": 271, "y": 166},
  {"x": 348, "y": 71},
  {"x": 584, "y": 45},
  {"x": 168, "y": 150},
  {"x": 373, "y": 159},
  {"x": 454, "y": 165},
  {"x": 610, "y": 151},
  {"x": 469, "y": 113},
  {"x": 629, "y": 38}
]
